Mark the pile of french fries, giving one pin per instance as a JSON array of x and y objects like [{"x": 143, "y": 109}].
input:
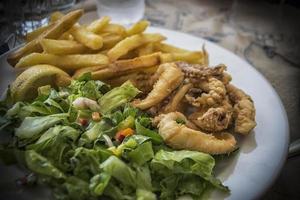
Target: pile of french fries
[{"x": 105, "y": 49}]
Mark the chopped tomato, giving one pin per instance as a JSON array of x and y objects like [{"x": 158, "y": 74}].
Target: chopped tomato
[
  {"x": 96, "y": 116},
  {"x": 123, "y": 133}
]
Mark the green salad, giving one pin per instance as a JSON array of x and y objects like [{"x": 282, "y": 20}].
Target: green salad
[{"x": 86, "y": 141}]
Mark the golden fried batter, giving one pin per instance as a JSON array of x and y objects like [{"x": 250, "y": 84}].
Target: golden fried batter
[
  {"x": 170, "y": 77},
  {"x": 179, "y": 136},
  {"x": 244, "y": 110}
]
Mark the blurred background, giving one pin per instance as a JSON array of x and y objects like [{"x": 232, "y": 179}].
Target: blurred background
[{"x": 265, "y": 33}]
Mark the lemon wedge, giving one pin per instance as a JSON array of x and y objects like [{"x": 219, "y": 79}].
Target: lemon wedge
[{"x": 26, "y": 84}]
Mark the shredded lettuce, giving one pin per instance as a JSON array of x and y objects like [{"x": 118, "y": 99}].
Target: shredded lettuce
[
  {"x": 41, "y": 165},
  {"x": 117, "y": 97}
]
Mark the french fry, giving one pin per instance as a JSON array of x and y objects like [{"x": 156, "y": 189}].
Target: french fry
[
  {"x": 124, "y": 66},
  {"x": 66, "y": 62},
  {"x": 145, "y": 49},
  {"x": 139, "y": 62},
  {"x": 132, "y": 42},
  {"x": 62, "y": 47},
  {"x": 110, "y": 40},
  {"x": 190, "y": 57},
  {"x": 114, "y": 29},
  {"x": 59, "y": 27},
  {"x": 137, "y": 28},
  {"x": 80, "y": 72},
  {"x": 167, "y": 48},
  {"x": 36, "y": 33},
  {"x": 55, "y": 16},
  {"x": 205, "y": 56},
  {"x": 97, "y": 25},
  {"x": 133, "y": 76},
  {"x": 87, "y": 38}
]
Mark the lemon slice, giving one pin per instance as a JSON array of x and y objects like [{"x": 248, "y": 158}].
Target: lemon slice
[{"x": 26, "y": 84}]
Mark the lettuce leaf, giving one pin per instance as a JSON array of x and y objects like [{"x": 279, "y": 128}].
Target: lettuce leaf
[
  {"x": 184, "y": 162},
  {"x": 145, "y": 195},
  {"x": 55, "y": 144},
  {"x": 86, "y": 162},
  {"x": 98, "y": 183},
  {"x": 141, "y": 154},
  {"x": 117, "y": 97},
  {"x": 32, "y": 127},
  {"x": 41, "y": 165},
  {"x": 119, "y": 170},
  {"x": 141, "y": 130}
]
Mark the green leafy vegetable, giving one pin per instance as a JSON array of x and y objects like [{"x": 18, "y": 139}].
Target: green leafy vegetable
[
  {"x": 117, "y": 97},
  {"x": 42, "y": 165},
  {"x": 32, "y": 127},
  {"x": 145, "y": 195},
  {"x": 140, "y": 129},
  {"x": 119, "y": 170},
  {"x": 142, "y": 153},
  {"x": 98, "y": 183}
]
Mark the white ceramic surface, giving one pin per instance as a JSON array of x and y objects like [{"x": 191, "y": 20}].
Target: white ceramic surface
[{"x": 262, "y": 154}]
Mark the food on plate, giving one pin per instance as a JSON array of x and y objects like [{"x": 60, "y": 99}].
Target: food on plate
[
  {"x": 62, "y": 47},
  {"x": 169, "y": 77},
  {"x": 66, "y": 62},
  {"x": 86, "y": 37},
  {"x": 58, "y": 28},
  {"x": 103, "y": 111},
  {"x": 244, "y": 110},
  {"x": 176, "y": 134},
  {"x": 132, "y": 42},
  {"x": 213, "y": 119},
  {"x": 26, "y": 84}
]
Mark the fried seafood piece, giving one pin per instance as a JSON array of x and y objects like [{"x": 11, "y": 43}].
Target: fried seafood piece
[
  {"x": 169, "y": 78},
  {"x": 213, "y": 93},
  {"x": 213, "y": 119},
  {"x": 244, "y": 110},
  {"x": 179, "y": 136},
  {"x": 139, "y": 79},
  {"x": 176, "y": 99},
  {"x": 196, "y": 71}
]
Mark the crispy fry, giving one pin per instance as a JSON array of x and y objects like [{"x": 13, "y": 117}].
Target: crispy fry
[
  {"x": 125, "y": 66},
  {"x": 82, "y": 71},
  {"x": 190, "y": 57},
  {"x": 36, "y": 33},
  {"x": 205, "y": 56},
  {"x": 167, "y": 48},
  {"x": 133, "y": 76},
  {"x": 59, "y": 27},
  {"x": 67, "y": 62},
  {"x": 97, "y": 25},
  {"x": 145, "y": 49},
  {"x": 132, "y": 42},
  {"x": 114, "y": 29},
  {"x": 62, "y": 47},
  {"x": 142, "y": 61},
  {"x": 66, "y": 36},
  {"x": 110, "y": 40},
  {"x": 137, "y": 28},
  {"x": 87, "y": 38},
  {"x": 55, "y": 16}
]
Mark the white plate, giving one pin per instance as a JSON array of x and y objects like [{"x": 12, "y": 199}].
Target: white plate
[{"x": 262, "y": 154}]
